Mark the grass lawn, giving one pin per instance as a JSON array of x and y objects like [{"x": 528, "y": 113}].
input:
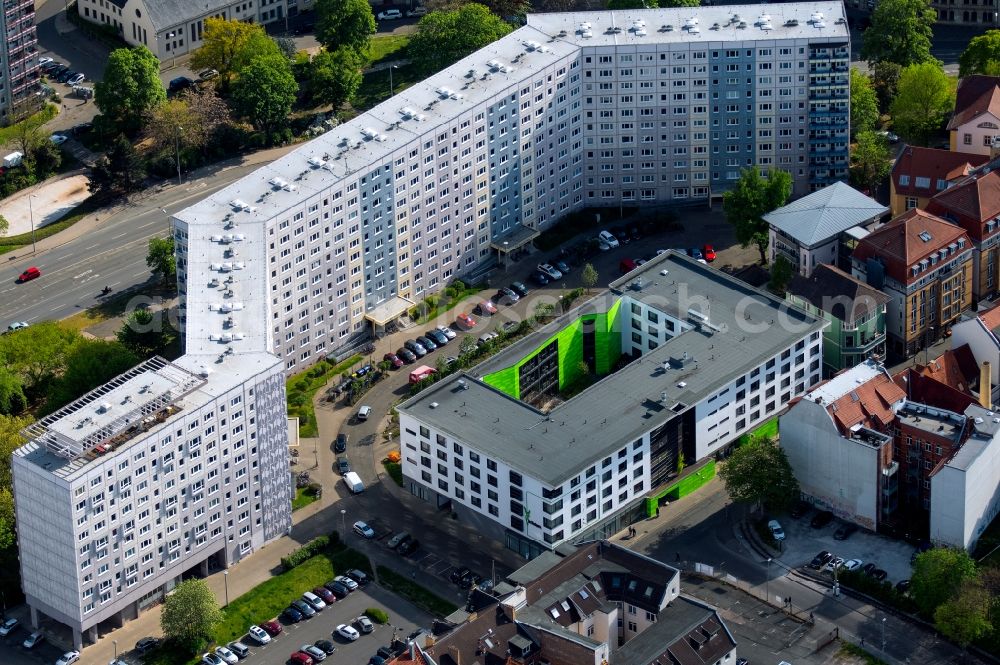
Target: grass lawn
[
  {"x": 8, "y": 133},
  {"x": 849, "y": 649},
  {"x": 387, "y": 46},
  {"x": 375, "y": 86},
  {"x": 415, "y": 593},
  {"x": 306, "y": 384},
  {"x": 395, "y": 471},
  {"x": 11, "y": 243},
  {"x": 444, "y": 301},
  {"x": 303, "y": 497}
]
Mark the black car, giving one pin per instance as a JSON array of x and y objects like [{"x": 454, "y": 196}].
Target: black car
[
  {"x": 879, "y": 574},
  {"x": 57, "y": 71},
  {"x": 468, "y": 580},
  {"x": 418, "y": 349},
  {"x": 799, "y": 509},
  {"x": 868, "y": 568},
  {"x": 50, "y": 66},
  {"x": 902, "y": 586},
  {"x": 384, "y": 652},
  {"x": 305, "y": 608},
  {"x": 439, "y": 337},
  {"x": 292, "y": 615},
  {"x": 519, "y": 288},
  {"x": 427, "y": 343},
  {"x": 179, "y": 83},
  {"x": 845, "y": 531},
  {"x": 821, "y": 560},
  {"x": 541, "y": 279},
  {"x": 821, "y": 519},
  {"x": 506, "y": 296},
  {"x": 340, "y": 445},
  {"x": 339, "y": 590},
  {"x": 146, "y": 644},
  {"x": 562, "y": 267},
  {"x": 406, "y": 356},
  {"x": 66, "y": 75},
  {"x": 377, "y": 660},
  {"x": 326, "y": 646},
  {"x": 358, "y": 576},
  {"x": 343, "y": 466},
  {"x": 408, "y": 546},
  {"x": 457, "y": 575}
]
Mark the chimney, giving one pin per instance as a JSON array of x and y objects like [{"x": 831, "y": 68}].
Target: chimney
[{"x": 986, "y": 386}]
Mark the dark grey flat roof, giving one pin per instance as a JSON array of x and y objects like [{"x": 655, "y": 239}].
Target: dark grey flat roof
[
  {"x": 673, "y": 623},
  {"x": 622, "y": 406}
]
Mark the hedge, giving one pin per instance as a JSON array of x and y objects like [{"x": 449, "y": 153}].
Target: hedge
[
  {"x": 309, "y": 550},
  {"x": 377, "y": 615}
]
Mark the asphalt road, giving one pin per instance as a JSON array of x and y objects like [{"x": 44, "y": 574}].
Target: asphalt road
[{"x": 113, "y": 254}]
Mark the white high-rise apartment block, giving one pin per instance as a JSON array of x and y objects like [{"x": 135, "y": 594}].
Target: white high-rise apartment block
[
  {"x": 572, "y": 110},
  {"x": 19, "y": 69}
]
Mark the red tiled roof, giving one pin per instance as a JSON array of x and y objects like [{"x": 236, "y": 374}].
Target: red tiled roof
[
  {"x": 926, "y": 390},
  {"x": 933, "y": 164},
  {"x": 975, "y": 95},
  {"x": 970, "y": 202},
  {"x": 901, "y": 243},
  {"x": 955, "y": 367},
  {"x": 991, "y": 317},
  {"x": 869, "y": 405}
]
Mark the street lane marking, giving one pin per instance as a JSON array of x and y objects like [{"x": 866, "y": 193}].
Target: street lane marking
[{"x": 120, "y": 235}]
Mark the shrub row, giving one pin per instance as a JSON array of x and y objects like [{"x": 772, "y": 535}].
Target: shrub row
[{"x": 309, "y": 550}]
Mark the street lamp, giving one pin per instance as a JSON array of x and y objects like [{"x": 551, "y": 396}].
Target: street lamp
[
  {"x": 767, "y": 582},
  {"x": 392, "y": 89},
  {"x": 115, "y": 644},
  {"x": 31, "y": 216},
  {"x": 883, "y": 635},
  {"x": 225, "y": 576},
  {"x": 177, "y": 148},
  {"x": 343, "y": 521}
]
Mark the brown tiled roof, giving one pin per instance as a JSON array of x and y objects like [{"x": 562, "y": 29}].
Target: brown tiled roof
[
  {"x": 831, "y": 289},
  {"x": 970, "y": 202},
  {"x": 975, "y": 95},
  {"x": 933, "y": 164},
  {"x": 991, "y": 317},
  {"x": 926, "y": 390},
  {"x": 955, "y": 367},
  {"x": 906, "y": 240},
  {"x": 869, "y": 405}
]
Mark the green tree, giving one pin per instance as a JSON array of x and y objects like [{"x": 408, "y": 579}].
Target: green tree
[
  {"x": 981, "y": 56},
  {"x": 89, "y": 364},
  {"x": 4, "y": 225},
  {"x": 229, "y": 46},
  {"x": 753, "y": 197},
  {"x": 937, "y": 574},
  {"x": 508, "y": 9},
  {"x": 467, "y": 345},
  {"x": 142, "y": 334},
  {"x": 334, "y": 76},
  {"x": 190, "y": 614},
  {"x": 871, "y": 160},
  {"x": 187, "y": 121},
  {"x": 759, "y": 472},
  {"x": 347, "y": 23},
  {"x": 10, "y": 440},
  {"x": 632, "y": 4},
  {"x": 589, "y": 276},
  {"x": 286, "y": 45},
  {"x": 864, "y": 103},
  {"x": 8, "y": 532},
  {"x": 27, "y": 136},
  {"x": 444, "y": 37},
  {"x": 119, "y": 172},
  {"x": 130, "y": 87},
  {"x": 781, "y": 274},
  {"x": 265, "y": 92},
  {"x": 666, "y": 4},
  {"x": 36, "y": 358},
  {"x": 900, "y": 32},
  {"x": 161, "y": 260},
  {"x": 885, "y": 79},
  {"x": 924, "y": 99},
  {"x": 965, "y": 617},
  {"x": 12, "y": 398}
]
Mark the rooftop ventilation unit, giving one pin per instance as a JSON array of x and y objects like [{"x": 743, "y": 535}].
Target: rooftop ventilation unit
[
  {"x": 819, "y": 24},
  {"x": 667, "y": 28},
  {"x": 639, "y": 28},
  {"x": 216, "y": 238},
  {"x": 278, "y": 182},
  {"x": 448, "y": 93},
  {"x": 694, "y": 31},
  {"x": 766, "y": 26},
  {"x": 316, "y": 162},
  {"x": 841, "y": 21},
  {"x": 239, "y": 204},
  {"x": 586, "y": 34},
  {"x": 791, "y": 23},
  {"x": 715, "y": 26},
  {"x": 742, "y": 24},
  {"x": 370, "y": 134},
  {"x": 233, "y": 237},
  {"x": 615, "y": 30},
  {"x": 691, "y": 23},
  {"x": 816, "y": 16}
]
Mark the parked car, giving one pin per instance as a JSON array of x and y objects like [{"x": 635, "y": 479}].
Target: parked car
[
  {"x": 327, "y": 646},
  {"x": 447, "y": 332},
  {"x": 208, "y": 74},
  {"x": 608, "y": 239},
  {"x": 226, "y": 655},
  {"x": 408, "y": 547},
  {"x": 890, "y": 137},
  {"x": 347, "y": 632},
  {"x": 519, "y": 288},
  {"x": 365, "y": 624},
  {"x": 241, "y": 650},
  {"x": 389, "y": 15},
  {"x": 271, "y": 627},
  {"x": 346, "y": 581},
  {"x": 69, "y": 658},
  {"x": 343, "y": 466},
  {"x": 377, "y": 660},
  {"x": 66, "y": 75},
  {"x": 406, "y": 356},
  {"x": 550, "y": 271},
  {"x": 844, "y": 531},
  {"x": 506, "y": 296},
  {"x": 292, "y": 615},
  {"x": 259, "y": 635},
  {"x": 339, "y": 589},
  {"x": 393, "y": 360},
  {"x": 398, "y": 538},
  {"x": 179, "y": 83},
  {"x": 340, "y": 445},
  {"x": 485, "y": 308},
  {"x": 33, "y": 640},
  {"x": 457, "y": 575},
  {"x": 879, "y": 575},
  {"x": 314, "y": 652},
  {"x": 325, "y": 594},
  {"x": 820, "y": 560},
  {"x": 58, "y": 139},
  {"x": 416, "y": 11},
  {"x": 853, "y": 564},
  {"x": 314, "y": 601},
  {"x": 75, "y": 79},
  {"x": 358, "y": 576},
  {"x": 868, "y": 568},
  {"x": 487, "y": 338},
  {"x": 821, "y": 519},
  {"x": 903, "y": 586},
  {"x": 299, "y": 658},
  {"x": 427, "y": 343},
  {"x": 834, "y": 564},
  {"x": 539, "y": 278},
  {"x": 44, "y": 61},
  {"x": 465, "y": 322},
  {"x": 439, "y": 337},
  {"x": 695, "y": 253},
  {"x": 363, "y": 530},
  {"x": 708, "y": 252},
  {"x": 562, "y": 266},
  {"x": 7, "y": 626},
  {"x": 211, "y": 659},
  {"x": 364, "y": 413},
  {"x": 384, "y": 652},
  {"x": 776, "y": 531},
  {"x": 416, "y": 348},
  {"x": 799, "y": 509}
]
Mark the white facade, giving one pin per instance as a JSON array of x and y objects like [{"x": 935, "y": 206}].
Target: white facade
[
  {"x": 19, "y": 70},
  {"x": 977, "y": 135},
  {"x": 803, "y": 259},
  {"x": 965, "y": 491}
]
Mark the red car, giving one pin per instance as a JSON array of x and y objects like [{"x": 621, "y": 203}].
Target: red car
[
  {"x": 29, "y": 274},
  {"x": 325, "y": 594},
  {"x": 708, "y": 252},
  {"x": 271, "y": 627},
  {"x": 394, "y": 359},
  {"x": 300, "y": 658},
  {"x": 465, "y": 322}
]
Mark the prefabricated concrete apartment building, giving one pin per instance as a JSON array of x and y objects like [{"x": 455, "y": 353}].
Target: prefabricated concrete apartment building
[{"x": 174, "y": 466}]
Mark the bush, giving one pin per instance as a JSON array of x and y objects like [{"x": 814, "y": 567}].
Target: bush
[
  {"x": 377, "y": 615},
  {"x": 306, "y": 552},
  {"x": 883, "y": 591}
]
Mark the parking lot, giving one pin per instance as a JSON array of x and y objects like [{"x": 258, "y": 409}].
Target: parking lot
[
  {"x": 12, "y": 653},
  {"x": 802, "y": 543}
]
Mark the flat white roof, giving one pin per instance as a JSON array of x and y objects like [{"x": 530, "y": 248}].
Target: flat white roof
[{"x": 845, "y": 382}]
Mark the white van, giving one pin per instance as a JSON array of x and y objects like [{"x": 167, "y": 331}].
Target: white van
[{"x": 353, "y": 482}]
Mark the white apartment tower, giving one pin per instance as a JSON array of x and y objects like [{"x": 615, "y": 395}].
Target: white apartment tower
[{"x": 18, "y": 61}]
